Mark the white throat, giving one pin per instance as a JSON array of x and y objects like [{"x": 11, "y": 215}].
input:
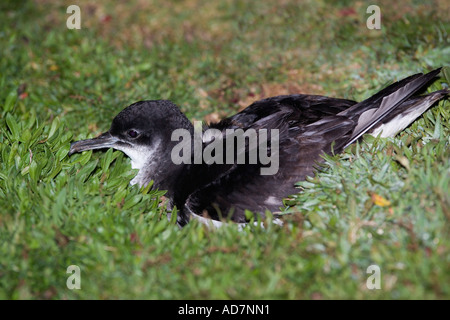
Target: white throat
[{"x": 141, "y": 159}]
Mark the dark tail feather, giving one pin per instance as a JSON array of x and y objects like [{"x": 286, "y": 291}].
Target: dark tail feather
[{"x": 373, "y": 110}]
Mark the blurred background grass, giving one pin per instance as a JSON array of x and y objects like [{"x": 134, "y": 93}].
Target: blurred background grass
[{"x": 213, "y": 58}]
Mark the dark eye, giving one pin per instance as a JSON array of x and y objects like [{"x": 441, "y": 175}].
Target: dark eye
[{"x": 133, "y": 133}]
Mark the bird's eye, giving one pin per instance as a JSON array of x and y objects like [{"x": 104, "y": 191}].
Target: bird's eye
[{"x": 133, "y": 133}]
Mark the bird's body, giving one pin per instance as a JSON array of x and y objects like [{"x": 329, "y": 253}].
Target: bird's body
[{"x": 306, "y": 126}]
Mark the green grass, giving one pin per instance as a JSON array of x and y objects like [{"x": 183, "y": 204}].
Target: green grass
[{"x": 383, "y": 202}]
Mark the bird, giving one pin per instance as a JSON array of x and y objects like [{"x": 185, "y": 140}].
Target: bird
[{"x": 305, "y": 127}]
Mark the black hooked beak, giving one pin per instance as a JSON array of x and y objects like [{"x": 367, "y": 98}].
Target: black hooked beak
[{"x": 105, "y": 140}]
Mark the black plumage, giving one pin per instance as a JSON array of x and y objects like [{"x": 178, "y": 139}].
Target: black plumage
[{"x": 308, "y": 126}]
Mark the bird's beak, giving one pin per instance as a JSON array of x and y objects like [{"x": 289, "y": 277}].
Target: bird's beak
[{"x": 105, "y": 140}]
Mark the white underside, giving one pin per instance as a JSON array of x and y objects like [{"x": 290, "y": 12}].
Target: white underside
[{"x": 214, "y": 224}]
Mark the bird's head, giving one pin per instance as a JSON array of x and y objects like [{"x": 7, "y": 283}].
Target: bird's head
[{"x": 143, "y": 132}]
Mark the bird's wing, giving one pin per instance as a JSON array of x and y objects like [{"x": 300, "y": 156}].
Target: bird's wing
[
  {"x": 302, "y": 138},
  {"x": 303, "y": 109}
]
